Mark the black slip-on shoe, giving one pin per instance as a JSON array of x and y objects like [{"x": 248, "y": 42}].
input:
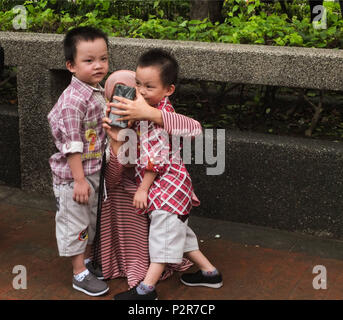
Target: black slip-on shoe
[
  {"x": 132, "y": 294},
  {"x": 198, "y": 279}
]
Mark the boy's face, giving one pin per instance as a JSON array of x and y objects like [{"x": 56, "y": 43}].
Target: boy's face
[
  {"x": 150, "y": 86},
  {"x": 91, "y": 61}
]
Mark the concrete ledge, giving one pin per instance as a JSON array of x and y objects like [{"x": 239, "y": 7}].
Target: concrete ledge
[
  {"x": 281, "y": 182},
  {"x": 268, "y": 65}
]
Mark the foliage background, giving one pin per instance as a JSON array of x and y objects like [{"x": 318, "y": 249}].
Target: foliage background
[
  {"x": 224, "y": 105},
  {"x": 252, "y": 22}
]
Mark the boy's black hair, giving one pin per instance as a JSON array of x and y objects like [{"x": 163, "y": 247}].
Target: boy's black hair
[
  {"x": 80, "y": 33},
  {"x": 165, "y": 61}
]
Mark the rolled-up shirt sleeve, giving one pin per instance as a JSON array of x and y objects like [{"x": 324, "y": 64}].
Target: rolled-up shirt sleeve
[{"x": 70, "y": 126}]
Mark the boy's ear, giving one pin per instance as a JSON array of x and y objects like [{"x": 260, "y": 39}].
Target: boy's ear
[
  {"x": 70, "y": 66},
  {"x": 171, "y": 90}
]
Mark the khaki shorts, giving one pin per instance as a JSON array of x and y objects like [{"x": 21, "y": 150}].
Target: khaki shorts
[
  {"x": 75, "y": 223},
  {"x": 169, "y": 237}
]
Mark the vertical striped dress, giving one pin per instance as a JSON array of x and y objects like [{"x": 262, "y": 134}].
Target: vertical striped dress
[{"x": 123, "y": 245}]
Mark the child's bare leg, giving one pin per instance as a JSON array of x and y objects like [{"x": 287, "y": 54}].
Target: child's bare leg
[
  {"x": 78, "y": 263},
  {"x": 200, "y": 260},
  {"x": 147, "y": 286},
  {"x": 154, "y": 273},
  {"x": 88, "y": 251},
  {"x": 207, "y": 276}
]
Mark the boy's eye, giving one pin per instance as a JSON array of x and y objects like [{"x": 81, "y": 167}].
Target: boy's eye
[{"x": 104, "y": 59}]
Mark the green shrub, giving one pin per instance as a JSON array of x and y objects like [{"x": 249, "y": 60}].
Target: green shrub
[{"x": 248, "y": 23}]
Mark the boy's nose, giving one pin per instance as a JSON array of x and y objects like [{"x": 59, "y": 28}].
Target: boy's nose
[
  {"x": 142, "y": 91},
  {"x": 97, "y": 65}
]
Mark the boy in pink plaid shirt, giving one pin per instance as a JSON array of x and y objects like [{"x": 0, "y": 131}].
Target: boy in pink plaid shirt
[
  {"x": 76, "y": 126},
  {"x": 165, "y": 188}
]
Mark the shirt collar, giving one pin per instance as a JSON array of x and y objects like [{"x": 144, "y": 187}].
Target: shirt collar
[
  {"x": 164, "y": 101},
  {"x": 84, "y": 88}
]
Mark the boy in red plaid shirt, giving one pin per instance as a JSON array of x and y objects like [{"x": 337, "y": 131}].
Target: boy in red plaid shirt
[{"x": 165, "y": 188}]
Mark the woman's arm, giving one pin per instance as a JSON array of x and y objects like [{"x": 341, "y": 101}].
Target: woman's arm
[{"x": 116, "y": 140}]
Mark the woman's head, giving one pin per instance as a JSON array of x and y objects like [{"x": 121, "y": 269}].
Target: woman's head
[{"x": 126, "y": 77}]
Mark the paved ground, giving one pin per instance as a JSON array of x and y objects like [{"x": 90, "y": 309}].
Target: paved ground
[{"x": 257, "y": 263}]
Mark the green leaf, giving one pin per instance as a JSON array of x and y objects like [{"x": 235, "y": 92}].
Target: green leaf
[{"x": 251, "y": 8}]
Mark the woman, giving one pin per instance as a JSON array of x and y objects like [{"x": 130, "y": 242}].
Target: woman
[{"x": 122, "y": 246}]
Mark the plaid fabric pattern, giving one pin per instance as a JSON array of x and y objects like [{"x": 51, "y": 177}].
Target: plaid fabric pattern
[
  {"x": 76, "y": 126},
  {"x": 172, "y": 188}
]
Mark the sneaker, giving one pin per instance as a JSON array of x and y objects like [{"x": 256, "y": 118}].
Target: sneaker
[
  {"x": 198, "y": 279},
  {"x": 132, "y": 294},
  {"x": 91, "y": 285},
  {"x": 95, "y": 268}
]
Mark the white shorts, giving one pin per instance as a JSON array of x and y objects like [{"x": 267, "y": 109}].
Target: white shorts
[
  {"x": 75, "y": 223},
  {"x": 169, "y": 237}
]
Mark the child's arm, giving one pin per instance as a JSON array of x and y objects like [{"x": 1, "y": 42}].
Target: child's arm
[
  {"x": 82, "y": 189},
  {"x": 140, "y": 200},
  {"x": 172, "y": 122}
]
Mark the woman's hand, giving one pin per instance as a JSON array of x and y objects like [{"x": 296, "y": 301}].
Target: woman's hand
[{"x": 112, "y": 131}]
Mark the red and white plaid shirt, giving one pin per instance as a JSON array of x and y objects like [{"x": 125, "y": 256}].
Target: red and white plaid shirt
[
  {"x": 76, "y": 126},
  {"x": 172, "y": 188}
]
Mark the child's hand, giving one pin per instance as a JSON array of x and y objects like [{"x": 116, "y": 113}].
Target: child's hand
[
  {"x": 81, "y": 191},
  {"x": 140, "y": 200},
  {"x": 131, "y": 109}
]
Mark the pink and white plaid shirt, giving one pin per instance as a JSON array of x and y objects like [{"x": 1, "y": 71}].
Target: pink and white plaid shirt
[
  {"x": 172, "y": 188},
  {"x": 76, "y": 126}
]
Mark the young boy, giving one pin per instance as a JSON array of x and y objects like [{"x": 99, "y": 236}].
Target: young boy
[
  {"x": 76, "y": 126},
  {"x": 165, "y": 188}
]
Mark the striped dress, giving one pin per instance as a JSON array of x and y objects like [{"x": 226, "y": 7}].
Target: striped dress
[{"x": 123, "y": 245}]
